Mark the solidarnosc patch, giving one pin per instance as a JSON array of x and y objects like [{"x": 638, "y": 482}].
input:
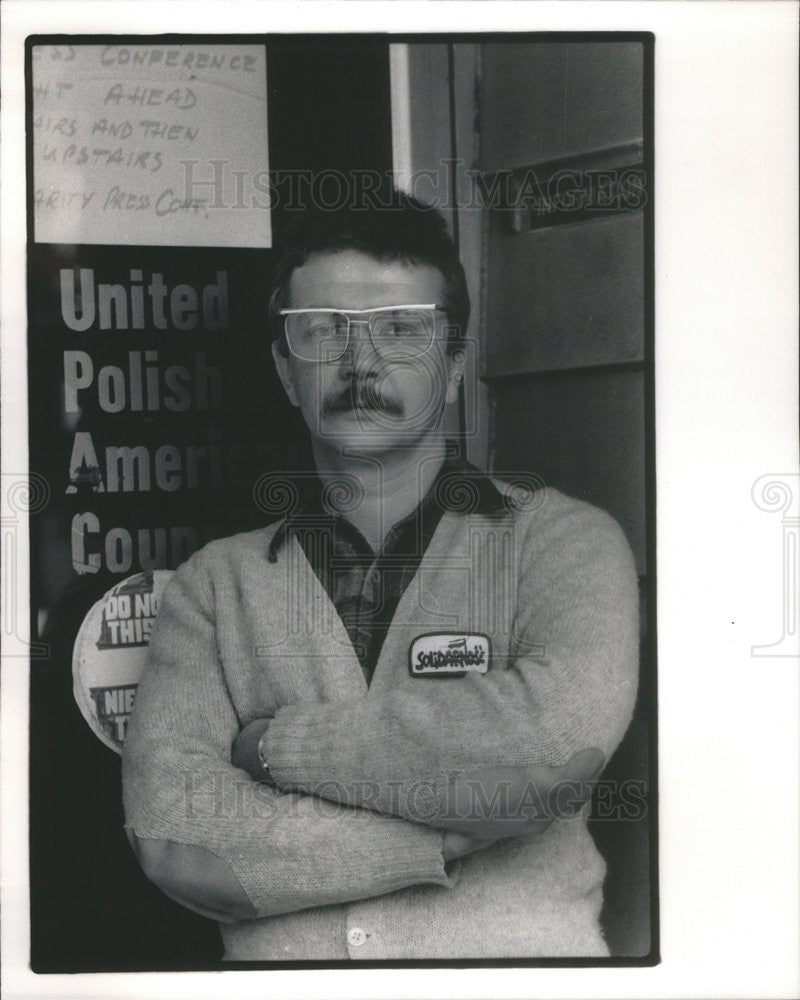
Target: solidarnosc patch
[{"x": 449, "y": 654}]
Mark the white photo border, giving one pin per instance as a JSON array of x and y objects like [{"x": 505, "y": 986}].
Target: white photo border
[{"x": 726, "y": 266}]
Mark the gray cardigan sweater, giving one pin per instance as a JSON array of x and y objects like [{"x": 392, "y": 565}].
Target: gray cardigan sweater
[{"x": 237, "y": 638}]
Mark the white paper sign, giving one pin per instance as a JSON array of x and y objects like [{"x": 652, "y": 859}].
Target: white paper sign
[{"x": 160, "y": 145}]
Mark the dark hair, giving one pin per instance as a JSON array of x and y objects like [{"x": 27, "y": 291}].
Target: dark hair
[{"x": 399, "y": 228}]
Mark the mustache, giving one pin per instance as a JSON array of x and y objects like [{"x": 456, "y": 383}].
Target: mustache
[{"x": 359, "y": 396}]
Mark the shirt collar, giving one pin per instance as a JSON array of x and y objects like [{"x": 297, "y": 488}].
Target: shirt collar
[{"x": 459, "y": 488}]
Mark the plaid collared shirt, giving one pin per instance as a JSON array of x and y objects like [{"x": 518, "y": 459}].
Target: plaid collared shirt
[{"x": 365, "y": 587}]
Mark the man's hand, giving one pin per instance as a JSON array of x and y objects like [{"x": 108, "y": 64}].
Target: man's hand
[
  {"x": 485, "y": 804},
  {"x": 244, "y": 752}
]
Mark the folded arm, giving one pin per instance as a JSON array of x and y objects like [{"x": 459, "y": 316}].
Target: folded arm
[
  {"x": 445, "y": 750},
  {"x": 210, "y": 836}
]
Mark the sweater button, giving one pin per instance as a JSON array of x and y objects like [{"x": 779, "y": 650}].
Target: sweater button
[{"x": 356, "y": 937}]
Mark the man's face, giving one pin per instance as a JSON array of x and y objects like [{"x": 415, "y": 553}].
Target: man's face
[{"x": 362, "y": 402}]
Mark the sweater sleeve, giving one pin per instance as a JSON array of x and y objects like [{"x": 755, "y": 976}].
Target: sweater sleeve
[
  {"x": 200, "y": 820},
  {"x": 569, "y": 685}
]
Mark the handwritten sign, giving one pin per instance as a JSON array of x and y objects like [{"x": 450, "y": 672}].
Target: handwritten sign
[{"x": 151, "y": 145}]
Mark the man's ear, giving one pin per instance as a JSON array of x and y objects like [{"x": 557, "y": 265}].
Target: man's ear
[
  {"x": 455, "y": 373},
  {"x": 284, "y": 373}
]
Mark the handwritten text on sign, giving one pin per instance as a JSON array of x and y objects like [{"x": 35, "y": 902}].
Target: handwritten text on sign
[{"x": 151, "y": 145}]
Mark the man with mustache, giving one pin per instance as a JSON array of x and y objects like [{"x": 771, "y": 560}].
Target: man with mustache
[{"x": 367, "y": 730}]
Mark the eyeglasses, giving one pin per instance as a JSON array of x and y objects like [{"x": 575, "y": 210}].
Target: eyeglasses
[{"x": 396, "y": 332}]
